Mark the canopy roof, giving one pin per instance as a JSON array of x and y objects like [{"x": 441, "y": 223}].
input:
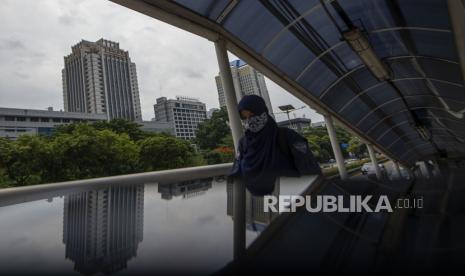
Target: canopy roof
[{"x": 415, "y": 114}]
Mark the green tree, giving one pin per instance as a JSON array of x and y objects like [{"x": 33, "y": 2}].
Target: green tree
[
  {"x": 23, "y": 160},
  {"x": 210, "y": 132},
  {"x": 87, "y": 152},
  {"x": 357, "y": 147},
  {"x": 219, "y": 155},
  {"x": 319, "y": 137},
  {"x": 119, "y": 126},
  {"x": 158, "y": 153}
]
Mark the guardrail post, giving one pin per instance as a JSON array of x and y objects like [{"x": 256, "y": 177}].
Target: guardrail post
[
  {"x": 397, "y": 168},
  {"x": 374, "y": 161},
  {"x": 336, "y": 147},
  {"x": 239, "y": 219}
]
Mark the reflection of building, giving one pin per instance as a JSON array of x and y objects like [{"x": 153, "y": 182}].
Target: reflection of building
[
  {"x": 183, "y": 113},
  {"x": 255, "y": 216},
  {"x": 186, "y": 189},
  {"x": 247, "y": 81},
  {"x": 18, "y": 121},
  {"x": 102, "y": 228},
  {"x": 297, "y": 124}
]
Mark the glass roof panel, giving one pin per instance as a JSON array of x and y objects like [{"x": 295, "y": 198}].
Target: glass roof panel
[
  {"x": 434, "y": 44},
  {"x": 441, "y": 70},
  {"x": 289, "y": 54},
  {"x": 252, "y": 24},
  {"x": 388, "y": 44},
  {"x": 317, "y": 78},
  {"x": 418, "y": 13}
]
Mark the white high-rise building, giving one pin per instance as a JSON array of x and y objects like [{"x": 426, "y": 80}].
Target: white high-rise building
[
  {"x": 247, "y": 81},
  {"x": 99, "y": 77},
  {"x": 183, "y": 113}
]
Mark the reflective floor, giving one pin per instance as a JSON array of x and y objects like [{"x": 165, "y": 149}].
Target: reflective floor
[
  {"x": 152, "y": 227},
  {"x": 419, "y": 239}
]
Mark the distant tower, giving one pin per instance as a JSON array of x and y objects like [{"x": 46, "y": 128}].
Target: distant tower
[
  {"x": 247, "y": 81},
  {"x": 99, "y": 77}
]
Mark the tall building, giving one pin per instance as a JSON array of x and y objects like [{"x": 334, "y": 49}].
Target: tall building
[
  {"x": 99, "y": 77},
  {"x": 247, "y": 81},
  {"x": 183, "y": 112},
  {"x": 102, "y": 228}
]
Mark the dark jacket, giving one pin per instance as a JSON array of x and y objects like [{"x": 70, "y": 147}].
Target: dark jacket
[{"x": 291, "y": 144}]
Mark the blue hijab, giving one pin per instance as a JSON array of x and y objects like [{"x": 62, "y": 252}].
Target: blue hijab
[{"x": 262, "y": 160}]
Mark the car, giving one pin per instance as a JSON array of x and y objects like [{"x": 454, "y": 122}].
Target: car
[{"x": 367, "y": 168}]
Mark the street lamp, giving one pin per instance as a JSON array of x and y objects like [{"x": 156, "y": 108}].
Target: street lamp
[{"x": 288, "y": 108}]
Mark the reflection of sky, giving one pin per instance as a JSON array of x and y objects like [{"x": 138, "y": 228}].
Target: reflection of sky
[
  {"x": 192, "y": 234},
  {"x": 31, "y": 238}
]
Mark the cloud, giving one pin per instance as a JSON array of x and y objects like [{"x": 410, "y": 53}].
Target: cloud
[
  {"x": 36, "y": 35},
  {"x": 22, "y": 75},
  {"x": 70, "y": 20},
  {"x": 11, "y": 44}
]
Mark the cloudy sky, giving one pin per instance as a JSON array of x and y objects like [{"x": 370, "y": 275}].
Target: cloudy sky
[{"x": 35, "y": 35}]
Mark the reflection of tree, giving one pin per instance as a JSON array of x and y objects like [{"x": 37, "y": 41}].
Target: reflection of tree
[
  {"x": 102, "y": 228},
  {"x": 255, "y": 216},
  {"x": 186, "y": 189}
]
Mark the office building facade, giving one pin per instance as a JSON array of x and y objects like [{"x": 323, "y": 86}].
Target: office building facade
[
  {"x": 15, "y": 122},
  {"x": 183, "y": 112},
  {"x": 297, "y": 124},
  {"x": 99, "y": 77},
  {"x": 247, "y": 81}
]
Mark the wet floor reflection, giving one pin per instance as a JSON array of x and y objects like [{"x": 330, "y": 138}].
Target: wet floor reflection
[
  {"x": 255, "y": 217},
  {"x": 184, "y": 189},
  {"x": 103, "y": 228},
  {"x": 178, "y": 227}
]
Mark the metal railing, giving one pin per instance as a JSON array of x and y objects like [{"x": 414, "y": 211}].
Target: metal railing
[{"x": 10, "y": 196}]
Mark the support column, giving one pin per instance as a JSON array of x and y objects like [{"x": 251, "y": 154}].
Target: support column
[
  {"x": 229, "y": 91},
  {"x": 397, "y": 168},
  {"x": 239, "y": 230},
  {"x": 237, "y": 132},
  {"x": 374, "y": 161},
  {"x": 424, "y": 169},
  {"x": 336, "y": 147}
]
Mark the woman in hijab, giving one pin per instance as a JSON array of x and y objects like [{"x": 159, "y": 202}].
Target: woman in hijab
[{"x": 264, "y": 152}]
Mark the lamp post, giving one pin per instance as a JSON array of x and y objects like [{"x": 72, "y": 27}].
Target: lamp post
[{"x": 288, "y": 108}]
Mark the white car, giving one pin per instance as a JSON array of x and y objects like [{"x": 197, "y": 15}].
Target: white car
[{"x": 367, "y": 168}]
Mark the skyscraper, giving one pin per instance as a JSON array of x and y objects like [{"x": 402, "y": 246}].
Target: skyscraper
[
  {"x": 183, "y": 112},
  {"x": 99, "y": 77},
  {"x": 247, "y": 81}
]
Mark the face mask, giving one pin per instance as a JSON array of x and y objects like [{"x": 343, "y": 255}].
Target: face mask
[{"x": 255, "y": 123}]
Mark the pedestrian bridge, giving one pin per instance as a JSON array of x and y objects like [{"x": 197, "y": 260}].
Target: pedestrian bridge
[{"x": 391, "y": 72}]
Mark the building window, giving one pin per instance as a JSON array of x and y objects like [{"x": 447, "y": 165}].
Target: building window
[
  {"x": 34, "y": 119},
  {"x": 9, "y": 118},
  {"x": 56, "y": 120},
  {"x": 45, "y": 120},
  {"x": 20, "y": 119}
]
